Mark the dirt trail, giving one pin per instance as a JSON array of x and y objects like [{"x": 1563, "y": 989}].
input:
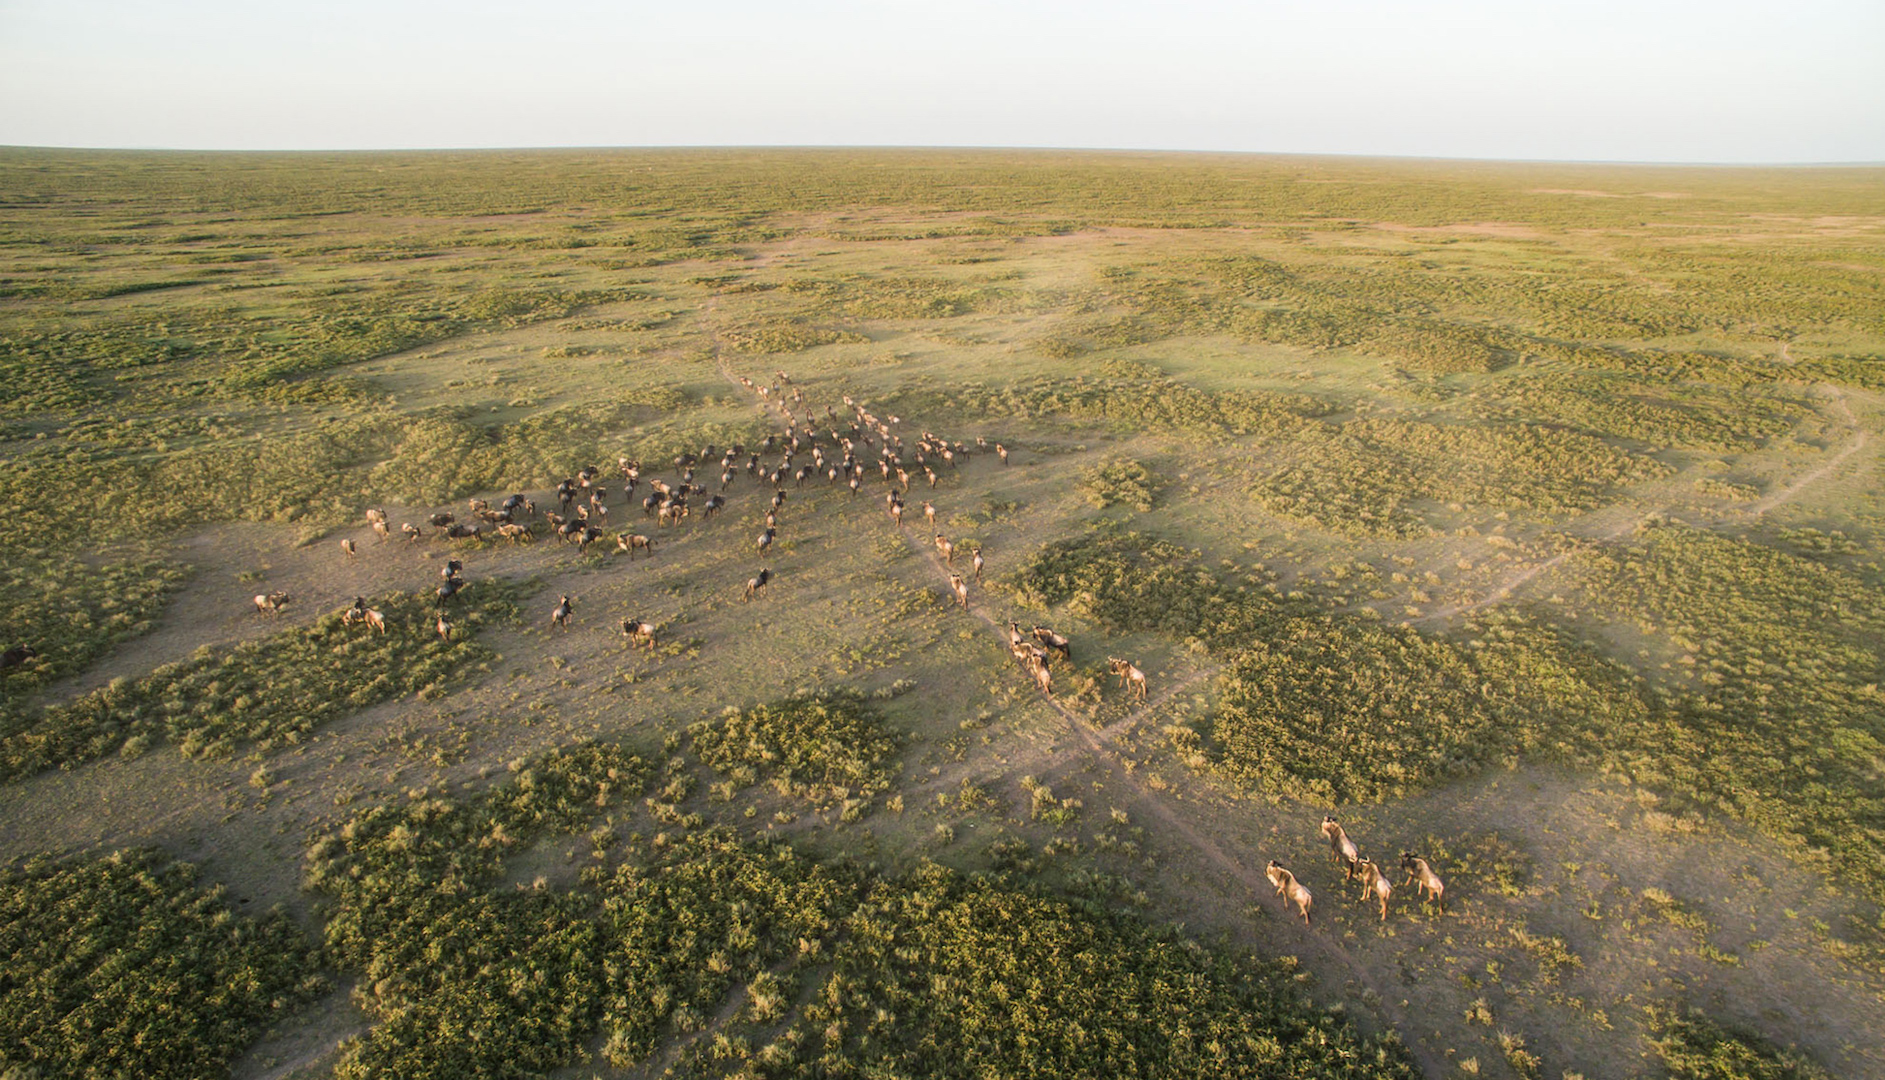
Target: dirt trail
[
  {"x": 1600, "y": 533},
  {"x": 1098, "y": 745}
]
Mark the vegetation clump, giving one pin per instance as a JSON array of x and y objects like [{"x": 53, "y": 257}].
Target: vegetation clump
[
  {"x": 1693, "y": 1047},
  {"x": 265, "y": 692},
  {"x": 819, "y": 746},
  {"x": 1121, "y": 483},
  {"x": 122, "y": 965}
]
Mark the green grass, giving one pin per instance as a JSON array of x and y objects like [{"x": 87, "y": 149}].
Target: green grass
[
  {"x": 265, "y": 693},
  {"x": 123, "y": 965}
]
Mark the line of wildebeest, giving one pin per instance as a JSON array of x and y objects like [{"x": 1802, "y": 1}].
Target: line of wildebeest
[{"x": 841, "y": 450}]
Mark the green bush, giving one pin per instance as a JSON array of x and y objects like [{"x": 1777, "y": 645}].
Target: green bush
[
  {"x": 122, "y": 965},
  {"x": 831, "y": 745},
  {"x": 267, "y": 691}
]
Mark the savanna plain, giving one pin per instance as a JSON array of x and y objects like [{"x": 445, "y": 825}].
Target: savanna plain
[{"x": 1522, "y": 519}]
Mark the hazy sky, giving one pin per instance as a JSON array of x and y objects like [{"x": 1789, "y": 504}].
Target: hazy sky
[{"x": 1715, "y": 80}]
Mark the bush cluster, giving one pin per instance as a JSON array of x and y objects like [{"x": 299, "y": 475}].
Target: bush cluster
[
  {"x": 122, "y": 965},
  {"x": 268, "y": 691}
]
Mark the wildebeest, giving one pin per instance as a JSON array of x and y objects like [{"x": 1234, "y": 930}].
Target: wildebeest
[
  {"x": 517, "y": 533},
  {"x": 451, "y": 569},
  {"x": 635, "y": 630},
  {"x": 413, "y": 535},
  {"x": 1055, "y": 642},
  {"x": 1341, "y": 848},
  {"x": 754, "y": 584},
  {"x": 440, "y": 520},
  {"x": 347, "y": 546},
  {"x": 766, "y": 538},
  {"x": 960, "y": 588},
  {"x": 946, "y": 549},
  {"x": 560, "y": 616},
  {"x": 977, "y": 563},
  {"x": 713, "y": 506},
  {"x": 270, "y": 603},
  {"x": 465, "y": 532},
  {"x": 1375, "y": 883},
  {"x": 380, "y": 530},
  {"x": 1421, "y": 876},
  {"x": 376, "y": 516},
  {"x": 629, "y": 542},
  {"x": 444, "y": 628},
  {"x": 449, "y": 588},
  {"x": 1291, "y": 890},
  {"x": 1129, "y": 675},
  {"x": 17, "y": 656}
]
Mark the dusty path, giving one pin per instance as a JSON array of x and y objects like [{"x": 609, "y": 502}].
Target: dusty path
[
  {"x": 1773, "y": 501},
  {"x": 1097, "y": 745}
]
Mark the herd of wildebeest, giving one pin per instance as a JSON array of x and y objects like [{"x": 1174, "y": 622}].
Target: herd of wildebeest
[{"x": 833, "y": 448}]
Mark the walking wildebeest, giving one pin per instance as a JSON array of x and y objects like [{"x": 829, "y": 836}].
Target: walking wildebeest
[
  {"x": 1291, "y": 890},
  {"x": 270, "y": 603},
  {"x": 560, "y": 617},
  {"x": 1341, "y": 848}
]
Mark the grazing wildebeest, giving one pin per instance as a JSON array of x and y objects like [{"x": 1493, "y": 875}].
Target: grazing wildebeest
[
  {"x": 17, "y": 656},
  {"x": 376, "y": 516},
  {"x": 347, "y": 546},
  {"x": 270, "y": 603},
  {"x": 1055, "y": 642},
  {"x": 754, "y": 584},
  {"x": 564, "y": 609},
  {"x": 444, "y": 628},
  {"x": 629, "y": 542},
  {"x": 380, "y": 530},
  {"x": 1421, "y": 876},
  {"x": 413, "y": 534},
  {"x": 1291, "y": 890},
  {"x": 1341, "y": 848},
  {"x": 465, "y": 532},
  {"x": 440, "y": 520},
  {"x": 1375, "y": 883},
  {"x": 589, "y": 535},
  {"x": 1129, "y": 675},
  {"x": 517, "y": 533},
  {"x": 635, "y": 630}
]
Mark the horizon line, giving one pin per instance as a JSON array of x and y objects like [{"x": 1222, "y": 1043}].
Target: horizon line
[{"x": 909, "y": 147}]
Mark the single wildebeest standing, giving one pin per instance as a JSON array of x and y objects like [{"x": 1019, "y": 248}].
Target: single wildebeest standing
[
  {"x": 1129, "y": 675},
  {"x": 635, "y": 630},
  {"x": 564, "y": 609},
  {"x": 1375, "y": 883},
  {"x": 347, "y": 546},
  {"x": 960, "y": 588},
  {"x": 1291, "y": 890},
  {"x": 977, "y": 563},
  {"x": 1421, "y": 876},
  {"x": 1341, "y": 848}
]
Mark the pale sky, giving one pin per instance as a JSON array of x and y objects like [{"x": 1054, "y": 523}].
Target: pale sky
[{"x": 1631, "y": 80}]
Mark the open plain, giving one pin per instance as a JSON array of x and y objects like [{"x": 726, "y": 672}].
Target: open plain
[{"x": 1523, "y": 518}]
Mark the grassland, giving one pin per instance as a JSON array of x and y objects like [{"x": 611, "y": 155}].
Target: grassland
[{"x": 1525, "y": 517}]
